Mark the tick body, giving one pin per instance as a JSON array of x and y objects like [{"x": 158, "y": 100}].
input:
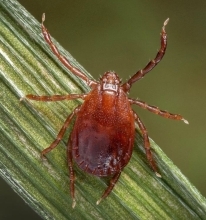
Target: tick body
[
  {"x": 102, "y": 139},
  {"x": 103, "y": 135}
]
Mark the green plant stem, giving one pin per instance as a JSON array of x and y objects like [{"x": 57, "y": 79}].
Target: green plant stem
[{"x": 27, "y": 66}]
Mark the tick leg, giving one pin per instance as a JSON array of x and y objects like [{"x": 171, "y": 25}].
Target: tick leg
[
  {"x": 54, "y": 98},
  {"x": 127, "y": 85},
  {"x": 63, "y": 59},
  {"x": 147, "y": 145},
  {"x": 61, "y": 133},
  {"x": 108, "y": 190},
  {"x": 157, "y": 111}
]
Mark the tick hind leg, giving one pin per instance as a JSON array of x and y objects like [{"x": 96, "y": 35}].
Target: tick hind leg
[
  {"x": 150, "y": 158},
  {"x": 108, "y": 190},
  {"x": 60, "y": 134}
]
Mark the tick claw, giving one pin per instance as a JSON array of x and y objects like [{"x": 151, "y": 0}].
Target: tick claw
[
  {"x": 22, "y": 98},
  {"x": 73, "y": 203},
  {"x": 185, "y": 121},
  {"x": 43, "y": 18},
  {"x": 166, "y": 21},
  {"x": 158, "y": 175},
  {"x": 98, "y": 201}
]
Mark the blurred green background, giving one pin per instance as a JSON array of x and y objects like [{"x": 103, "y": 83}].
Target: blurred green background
[{"x": 123, "y": 36}]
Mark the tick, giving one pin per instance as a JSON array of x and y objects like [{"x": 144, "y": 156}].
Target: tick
[{"x": 102, "y": 139}]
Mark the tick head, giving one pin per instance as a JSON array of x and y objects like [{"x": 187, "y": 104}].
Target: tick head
[{"x": 110, "y": 81}]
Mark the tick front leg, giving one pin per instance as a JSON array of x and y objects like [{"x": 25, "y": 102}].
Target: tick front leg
[
  {"x": 140, "y": 74},
  {"x": 108, "y": 190},
  {"x": 157, "y": 111},
  {"x": 147, "y": 145},
  {"x": 55, "y": 98},
  {"x": 61, "y": 133}
]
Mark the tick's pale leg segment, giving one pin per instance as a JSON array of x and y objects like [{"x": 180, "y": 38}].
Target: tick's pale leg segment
[
  {"x": 147, "y": 145},
  {"x": 61, "y": 133},
  {"x": 63, "y": 59},
  {"x": 54, "y": 98},
  {"x": 110, "y": 187},
  {"x": 157, "y": 111},
  {"x": 71, "y": 172},
  {"x": 126, "y": 86}
]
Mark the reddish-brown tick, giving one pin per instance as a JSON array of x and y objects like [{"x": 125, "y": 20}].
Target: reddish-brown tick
[{"x": 102, "y": 139}]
